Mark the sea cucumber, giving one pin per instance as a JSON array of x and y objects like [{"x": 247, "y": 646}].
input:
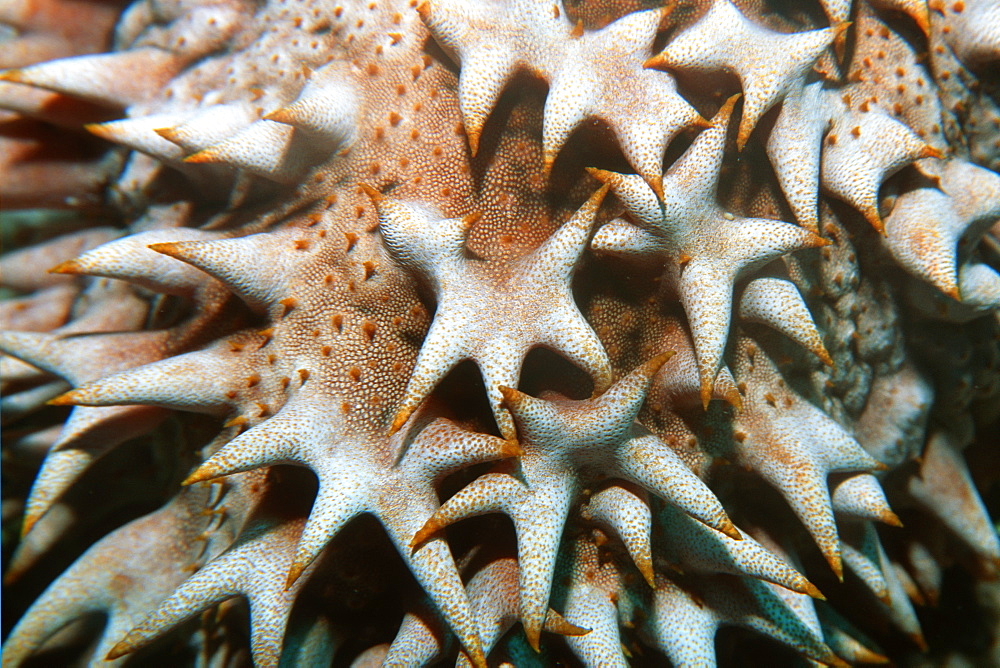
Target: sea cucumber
[{"x": 509, "y": 332}]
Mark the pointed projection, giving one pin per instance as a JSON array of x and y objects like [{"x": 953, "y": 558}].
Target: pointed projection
[
  {"x": 684, "y": 623},
  {"x": 778, "y": 304},
  {"x": 597, "y": 74},
  {"x": 769, "y": 64},
  {"x": 705, "y": 249},
  {"x": 139, "y": 134},
  {"x": 863, "y": 149},
  {"x": 794, "y": 148},
  {"x": 143, "y": 551},
  {"x": 327, "y": 107},
  {"x": 253, "y": 568},
  {"x": 559, "y": 439},
  {"x": 113, "y": 79},
  {"x": 354, "y": 480},
  {"x": 794, "y": 446},
  {"x": 689, "y": 545},
  {"x": 927, "y": 224},
  {"x": 530, "y": 306},
  {"x": 209, "y": 126}
]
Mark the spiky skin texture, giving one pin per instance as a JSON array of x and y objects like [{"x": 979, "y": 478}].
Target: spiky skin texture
[{"x": 726, "y": 280}]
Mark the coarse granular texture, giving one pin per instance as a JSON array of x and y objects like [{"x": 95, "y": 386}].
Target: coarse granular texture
[{"x": 500, "y": 332}]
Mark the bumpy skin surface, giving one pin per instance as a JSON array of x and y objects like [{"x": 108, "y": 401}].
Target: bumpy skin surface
[{"x": 511, "y": 332}]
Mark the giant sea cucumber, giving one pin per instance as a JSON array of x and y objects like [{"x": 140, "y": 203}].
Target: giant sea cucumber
[{"x": 433, "y": 331}]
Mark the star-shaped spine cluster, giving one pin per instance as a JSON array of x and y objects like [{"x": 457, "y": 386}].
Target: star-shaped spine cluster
[{"x": 716, "y": 361}]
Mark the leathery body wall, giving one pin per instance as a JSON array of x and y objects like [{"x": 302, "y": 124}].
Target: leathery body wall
[{"x": 510, "y": 332}]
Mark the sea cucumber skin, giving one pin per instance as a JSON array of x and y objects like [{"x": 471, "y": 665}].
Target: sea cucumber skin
[{"x": 500, "y": 333}]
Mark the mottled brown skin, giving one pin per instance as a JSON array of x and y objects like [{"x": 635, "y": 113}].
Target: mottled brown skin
[{"x": 353, "y": 320}]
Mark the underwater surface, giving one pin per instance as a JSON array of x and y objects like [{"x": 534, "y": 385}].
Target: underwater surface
[{"x": 507, "y": 333}]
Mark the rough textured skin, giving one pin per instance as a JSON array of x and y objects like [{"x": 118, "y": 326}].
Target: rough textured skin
[{"x": 509, "y": 332}]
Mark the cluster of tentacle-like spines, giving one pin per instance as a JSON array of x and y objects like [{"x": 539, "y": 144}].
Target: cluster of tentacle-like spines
[{"x": 365, "y": 138}]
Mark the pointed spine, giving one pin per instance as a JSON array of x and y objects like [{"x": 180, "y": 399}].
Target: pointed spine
[
  {"x": 199, "y": 381},
  {"x": 209, "y": 126},
  {"x": 139, "y": 134},
  {"x": 325, "y": 108},
  {"x": 266, "y": 148},
  {"x": 130, "y": 259},
  {"x": 114, "y": 79},
  {"x": 777, "y": 303},
  {"x": 259, "y": 267},
  {"x": 629, "y": 516}
]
